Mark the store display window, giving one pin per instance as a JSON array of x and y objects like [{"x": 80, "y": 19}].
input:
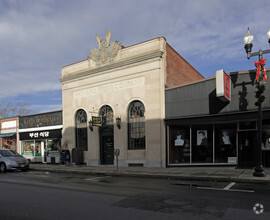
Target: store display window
[
  {"x": 202, "y": 144},
  {"x": 266, "y": 134},
  {"x": 28, "y": 148},
  {"x": 266, "y": 143},
  {"x": 53, "y": 148},
  {"x": 31, "y": 148},
  {"x": 37, "y": 148},
  {"x": 225, "y": 143},
  {"x": 179, "y": 149},
  {"x": 9, "y": 142}
]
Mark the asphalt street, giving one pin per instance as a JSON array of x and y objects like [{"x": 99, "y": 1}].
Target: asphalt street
[{"x": 46, "y": 195}]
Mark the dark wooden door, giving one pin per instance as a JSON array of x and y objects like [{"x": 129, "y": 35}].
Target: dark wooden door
[
  {"x": 108, "y": 149},
  {"x": 106, "y": 146}
]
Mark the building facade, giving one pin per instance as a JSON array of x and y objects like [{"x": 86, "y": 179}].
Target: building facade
[
  {"x": 40, "y": 137},
  {"x": 9, "y": 133},
  {"x": 205, "y": 129},
  {"x": 116, "y": 100}
]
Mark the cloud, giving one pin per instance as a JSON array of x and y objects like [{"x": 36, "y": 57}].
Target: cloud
[
  {"x": 45, "y": 108},
  {"x": 37, "y": 38},
  {"x": 27, "y": 82}
]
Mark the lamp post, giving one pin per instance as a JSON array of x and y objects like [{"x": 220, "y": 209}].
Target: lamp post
[{"x": 260, "y": 85}]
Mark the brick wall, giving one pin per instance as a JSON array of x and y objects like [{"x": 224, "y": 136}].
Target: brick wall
[{"x": 179, "y": 71}]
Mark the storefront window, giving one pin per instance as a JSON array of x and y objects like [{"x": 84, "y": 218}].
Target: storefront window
[
  {"x": 53, "y": 147},
  {"x": 179, "y": 144},
  {"x": 204, "y": 148},
  {"x": 202, "y": 144},
  {"x": 37, "y": 148},
  {"x": 28, "y": 148},
  {"x": 266, "y": 143},
  {"x": 225, "y": 143},
  {"x": 9, "y": 142}
]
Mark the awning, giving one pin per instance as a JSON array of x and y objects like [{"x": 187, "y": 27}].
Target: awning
[{"x": 7, "y": 135}]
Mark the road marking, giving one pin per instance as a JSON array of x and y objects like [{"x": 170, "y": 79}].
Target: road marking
[
  {"x": 199, "y": 187},
  {"x": 233, "y": 190},
  {"x": 229, "y": 186},
  {"x": 98, "y": 178},
  {"x": 241, "y": 190}
]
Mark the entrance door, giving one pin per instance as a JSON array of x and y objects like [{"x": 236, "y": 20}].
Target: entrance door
[
  {"x": 106, "y": 135},
  {"x": 106, "y": 146},
  {"x": 247, "y": 142}
]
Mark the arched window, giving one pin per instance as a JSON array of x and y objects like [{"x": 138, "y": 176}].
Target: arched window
[
  {"x": 136, "y": 126},
  {"x": 81, "y": 129},
  {"x": 106, "y": 113}
]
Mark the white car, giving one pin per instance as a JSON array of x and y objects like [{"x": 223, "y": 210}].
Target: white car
[{"x": 11, "y": 160}]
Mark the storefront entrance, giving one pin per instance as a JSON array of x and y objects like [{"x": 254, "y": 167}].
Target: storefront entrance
[
  {"x": 106, "y": 146},
  {"x": 247, "y": 141},
  {"x": 106, "y": 133}
]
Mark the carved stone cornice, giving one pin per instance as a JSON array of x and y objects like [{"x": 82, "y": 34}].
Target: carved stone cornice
[{"x": 111, "y": 66}]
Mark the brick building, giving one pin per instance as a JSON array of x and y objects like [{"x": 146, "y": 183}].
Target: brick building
[
  {"x": 115, "y": 99},
  {"x": 9, "y": 133}
]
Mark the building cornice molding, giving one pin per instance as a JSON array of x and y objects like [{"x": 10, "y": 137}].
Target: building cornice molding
[{"x": 111, "y": 66}]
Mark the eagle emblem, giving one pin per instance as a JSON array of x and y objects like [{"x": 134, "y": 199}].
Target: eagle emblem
[{"x": 106, "y": 51}]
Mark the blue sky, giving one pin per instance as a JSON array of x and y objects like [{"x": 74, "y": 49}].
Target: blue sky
[{"x": 38, "y": 38}]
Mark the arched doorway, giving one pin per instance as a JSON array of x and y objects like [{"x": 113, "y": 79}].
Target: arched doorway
[{"x": 106, "y": 136}]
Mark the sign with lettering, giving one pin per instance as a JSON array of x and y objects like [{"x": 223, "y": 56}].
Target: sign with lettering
[
  {"x": 110, "y": 88},
  {"x": 96, "y": 121},
  {"x": 40, "y": 120},
  {"x": 41, "y": 134},
  {"x": 223, "y": 85}
]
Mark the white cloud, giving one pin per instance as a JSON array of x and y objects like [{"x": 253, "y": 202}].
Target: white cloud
[
  {"x": 37, "y": 38},
  {"x": 45, "y": 108},
  {"x": 16, "y": 83}
]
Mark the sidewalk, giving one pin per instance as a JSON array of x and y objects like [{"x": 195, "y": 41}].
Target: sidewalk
[{"x": 207, "y": 173}]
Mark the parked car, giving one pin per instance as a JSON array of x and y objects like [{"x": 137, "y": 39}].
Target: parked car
[{"x": 11, "y": 160}]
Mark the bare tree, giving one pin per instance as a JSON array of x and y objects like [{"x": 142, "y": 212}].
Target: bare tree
[{"x": 13, "y": 109}]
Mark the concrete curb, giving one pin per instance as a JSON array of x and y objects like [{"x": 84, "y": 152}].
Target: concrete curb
[{"x": 158, "y": 175}]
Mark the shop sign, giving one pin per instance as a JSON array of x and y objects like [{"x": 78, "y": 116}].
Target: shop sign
[
  {"x": 97, "y": 121},
  {"x": 223, "y": 85},
  {"x": 40, "y": 120},
  {"x": 9, "y": 124},
  {"x": 41, "y": 134}
]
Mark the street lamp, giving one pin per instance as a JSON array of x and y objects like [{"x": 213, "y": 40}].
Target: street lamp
[{"x": 260, "y": 85}]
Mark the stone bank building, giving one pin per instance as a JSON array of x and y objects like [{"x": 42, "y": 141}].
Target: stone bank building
[{"x": 115, "y": 99}]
